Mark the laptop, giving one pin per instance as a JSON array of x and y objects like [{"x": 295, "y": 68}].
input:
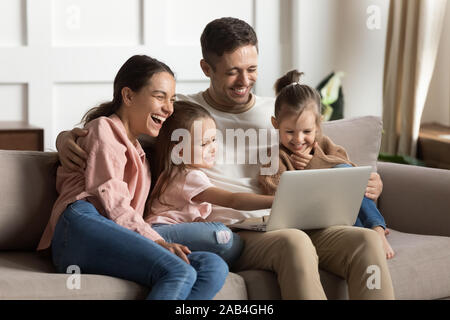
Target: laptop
[{"x": 314, "y": 199}]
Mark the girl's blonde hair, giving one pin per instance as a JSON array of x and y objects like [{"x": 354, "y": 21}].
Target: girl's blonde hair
[
  {"x": 294, "y": 98},
  {"x": 184, "y": 115}
]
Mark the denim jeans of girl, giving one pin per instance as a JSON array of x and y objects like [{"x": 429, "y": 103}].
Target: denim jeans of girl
[
  {"x": 369, "y": 216},
  {"x": 204, "y": 236},
  {"x": 98, "y": 245}
]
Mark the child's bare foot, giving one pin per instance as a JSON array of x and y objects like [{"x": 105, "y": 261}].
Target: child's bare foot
[{"x": 387, "y": 247}]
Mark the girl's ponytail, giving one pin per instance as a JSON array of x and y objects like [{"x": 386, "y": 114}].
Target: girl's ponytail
[
  {"x": 295, "y": 97},
  {"x": 289, "y": 78}
]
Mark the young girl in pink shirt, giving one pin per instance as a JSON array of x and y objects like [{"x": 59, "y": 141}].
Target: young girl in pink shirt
[
  {"x": 183, "y": 196},
  {"x": 97, "y": 221}
]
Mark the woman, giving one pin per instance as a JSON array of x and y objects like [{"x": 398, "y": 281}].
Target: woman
[{"x": 97, "y": 221}]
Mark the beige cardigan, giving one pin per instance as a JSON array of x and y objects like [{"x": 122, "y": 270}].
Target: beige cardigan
[{"x": 326, "y": 155}]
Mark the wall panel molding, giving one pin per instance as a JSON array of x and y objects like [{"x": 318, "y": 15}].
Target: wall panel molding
[
  {"x": 60, "y": 57},
  {"x": 12, "y": 23},
  {"x": 14, "y": 102},
  {"x": 97, "y": 23}
]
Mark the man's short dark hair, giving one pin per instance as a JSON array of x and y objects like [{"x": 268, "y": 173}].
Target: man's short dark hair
[{"x": 225, "y": 35}]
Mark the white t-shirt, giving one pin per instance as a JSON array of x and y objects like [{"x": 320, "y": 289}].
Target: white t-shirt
[{"x": 238, "y": 175}]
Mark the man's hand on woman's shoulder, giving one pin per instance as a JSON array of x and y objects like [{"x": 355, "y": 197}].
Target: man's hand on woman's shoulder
[{"x": 71, "y": 156}]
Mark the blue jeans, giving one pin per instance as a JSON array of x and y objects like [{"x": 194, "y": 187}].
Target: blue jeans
[
  {"x": 204, "y": 236},
  {"x": 98, "y": 245},
  {"x": 369, "y": 216}
]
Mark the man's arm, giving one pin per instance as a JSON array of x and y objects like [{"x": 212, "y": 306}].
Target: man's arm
[{"x": 70, "y": 154}]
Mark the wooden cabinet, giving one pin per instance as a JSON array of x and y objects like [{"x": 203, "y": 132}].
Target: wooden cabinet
[
  {"x": 434, "y": 145},
  {"x": 16, "y": 135}
]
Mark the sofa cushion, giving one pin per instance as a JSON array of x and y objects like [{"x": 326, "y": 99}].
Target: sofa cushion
[
  {"x": 26, "y": 198},
  {"x": 233, "y": 289},
  {"x": 360, "y": 137},
  {"x": 261, "y": 285},
  {"x": 419, "y": 269},
  {"x": 29, "y": 276},
  {"x": 421, "y": 266}
]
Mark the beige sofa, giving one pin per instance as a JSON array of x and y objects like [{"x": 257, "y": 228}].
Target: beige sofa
[{"x": 415, "y": 203}]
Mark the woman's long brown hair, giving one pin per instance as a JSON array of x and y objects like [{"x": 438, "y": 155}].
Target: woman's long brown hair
[{"x": 135, "y": 73}]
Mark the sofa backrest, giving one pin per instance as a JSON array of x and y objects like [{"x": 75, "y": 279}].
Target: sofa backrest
[
  {"x": 360, "y": 136},
  {"x": 27, "y": 184},
  {"x": 27, "y": 194}
]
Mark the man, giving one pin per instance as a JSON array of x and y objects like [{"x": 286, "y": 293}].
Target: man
[{"x": 230, "y": 60}]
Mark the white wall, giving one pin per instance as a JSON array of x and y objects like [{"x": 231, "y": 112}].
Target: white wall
[
  {"x": 315, "y": 34},
  {"x": 58, "y": 58},
  {"x": 333, "y": 36}
]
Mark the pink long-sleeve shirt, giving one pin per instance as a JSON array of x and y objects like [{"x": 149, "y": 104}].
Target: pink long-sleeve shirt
[
  {"x": 116, "y": 179},
  {"x": 176, "y": 205}
]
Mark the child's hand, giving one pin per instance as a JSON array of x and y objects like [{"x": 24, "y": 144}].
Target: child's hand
[
  {"x": 374, "y": 186},
  {"x": 301, "y": 159},
  {"x": 178, "y": 249}
]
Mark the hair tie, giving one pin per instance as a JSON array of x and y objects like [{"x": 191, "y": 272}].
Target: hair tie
[{"x": 294, "y": 83}]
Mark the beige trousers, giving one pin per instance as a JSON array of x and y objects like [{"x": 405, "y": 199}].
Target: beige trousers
[{"x": 355, "y": 254}]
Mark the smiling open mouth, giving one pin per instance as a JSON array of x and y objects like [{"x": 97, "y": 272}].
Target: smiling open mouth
[
  {"x": 158, "y": 119},
  {"x": 239, "y": 91},
  {"x": 299, "y": 146}
]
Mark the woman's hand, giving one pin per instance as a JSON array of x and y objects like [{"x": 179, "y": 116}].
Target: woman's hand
[
  {"x": 374, "y": 186},
  {"x": 301, "y": 159},
  {"x": 71, "y": 156},
  {"x": 178, "y": 249}
]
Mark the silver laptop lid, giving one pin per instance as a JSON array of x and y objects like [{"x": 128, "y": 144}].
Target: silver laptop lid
[{"x": 316, "y": 199}]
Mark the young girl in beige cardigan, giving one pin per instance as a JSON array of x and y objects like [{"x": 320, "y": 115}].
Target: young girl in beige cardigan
[{"x": 303, "y": 146}]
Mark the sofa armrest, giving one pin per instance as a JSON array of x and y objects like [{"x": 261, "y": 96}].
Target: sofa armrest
[{"x": 415, "y": 199}]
